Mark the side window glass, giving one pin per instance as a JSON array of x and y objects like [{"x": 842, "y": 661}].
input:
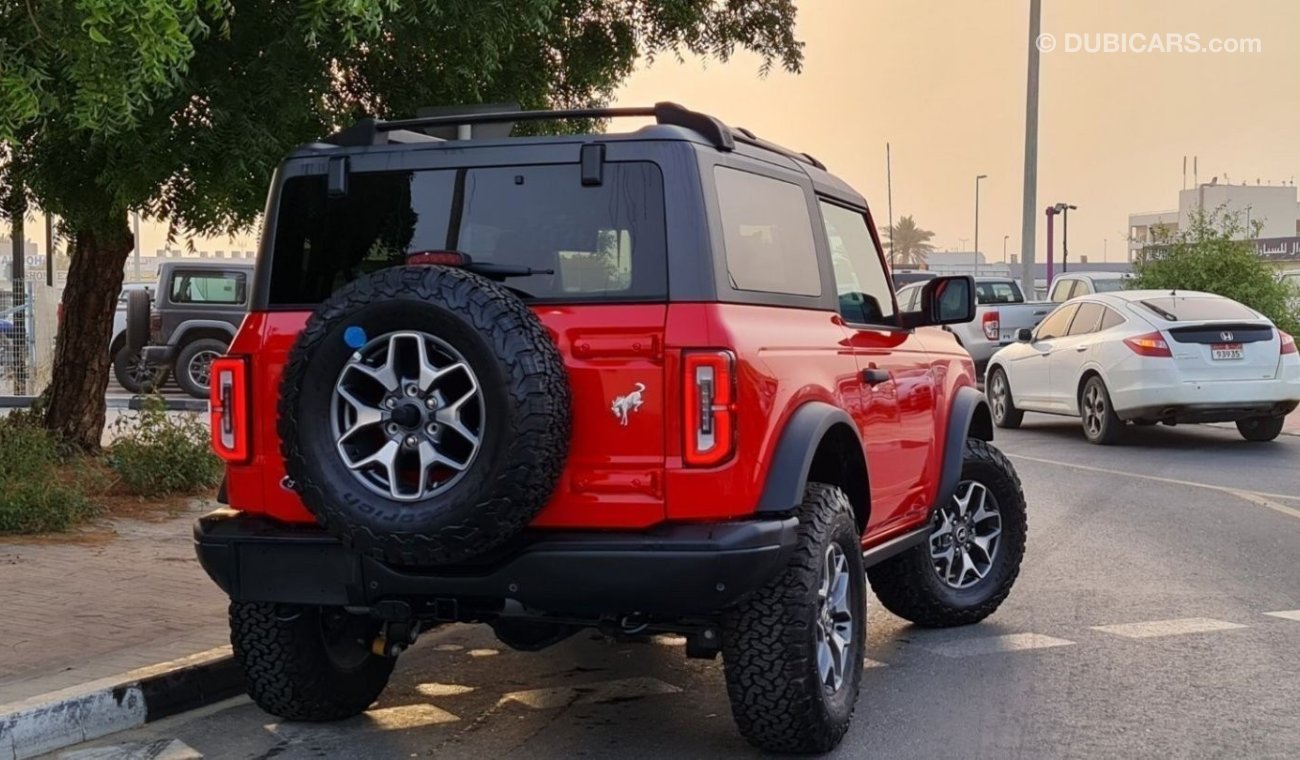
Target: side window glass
[
  {"x": 860, "y": 279},
  {"x": 768, "y": 234},
  {"x": 1056, "y": 323},
  {"x": 1061, "y": 290},
  {"x": 1111, "y": 319},
  {"x": 1087, "y": 318}
]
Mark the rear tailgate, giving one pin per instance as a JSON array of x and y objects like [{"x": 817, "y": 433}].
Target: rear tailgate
[
  {"x": 1215, "y": 351},
  {"x": 614, "y": 477}
]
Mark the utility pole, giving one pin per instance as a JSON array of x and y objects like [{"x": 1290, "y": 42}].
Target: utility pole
[
  {"x": 1028, "y": 218},
  {"x": 978, "y": 177},
  {"x": 1004, "y": 248},
  {"x": 889, "y": 194}
]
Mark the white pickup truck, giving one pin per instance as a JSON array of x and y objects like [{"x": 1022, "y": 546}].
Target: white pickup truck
[{"x": 1001, "y": 311}]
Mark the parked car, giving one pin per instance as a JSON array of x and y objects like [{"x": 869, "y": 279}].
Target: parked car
[
  {"x": 1292, "y": 279},
  {"x": 1075, "y": 284},
  {"x": 524, "y": 410},
  {"x": 1147, "y": 357},
  {"x": 132, "y": 373},
  {"x": 199, "y": 305},
  {"x": 903, "y": 277},
  {"x": 1001, "y": 311}
]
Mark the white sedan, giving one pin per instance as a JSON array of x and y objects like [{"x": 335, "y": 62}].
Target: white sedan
[{"x": 1149, "y": 356}]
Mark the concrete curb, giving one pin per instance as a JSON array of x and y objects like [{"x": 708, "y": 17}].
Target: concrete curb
[
  {"x": 118, "y": 402},
  {"x": 89, "y": 711}
]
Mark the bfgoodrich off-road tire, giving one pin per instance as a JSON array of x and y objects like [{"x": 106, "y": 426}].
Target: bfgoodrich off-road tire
[
  {"x": 292, "y": 672},
  {"x": 522, "y": 426},
  {"x": 912, "y": 585},
  {"x": 771, "y": 642}
]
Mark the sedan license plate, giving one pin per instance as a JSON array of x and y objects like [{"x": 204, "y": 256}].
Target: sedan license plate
[{"x": 1226, "y": 351}]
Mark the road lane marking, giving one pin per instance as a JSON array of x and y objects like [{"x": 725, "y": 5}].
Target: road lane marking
[
  {"x": 1156, "y": 628},
  {"x": 162, "y": 749},
  {"x": 867, "y": 662},
  {"x": 1261, "y": 498},
  {"x": 1011, "y": 642},
  {"x": 1286, "y": 615},
  {"x": 483, "y": 652},
  {"x": 443, "y": 689},
  {"x": 590, "y": 694}
]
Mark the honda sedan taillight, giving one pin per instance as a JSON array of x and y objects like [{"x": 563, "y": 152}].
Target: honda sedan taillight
[
  {"x": 1150, "y": 344},
  {"x": 1288, "y": 343}
]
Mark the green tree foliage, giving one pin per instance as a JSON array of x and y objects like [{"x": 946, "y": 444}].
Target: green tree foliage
[
  {"x": 182, "y": 108},
  {"x": 1211, "y": 255},
  {"x": 910, "y": 246}
]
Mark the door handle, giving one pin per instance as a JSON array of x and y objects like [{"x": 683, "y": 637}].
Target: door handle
[
  {"x": 875, "y": 376},
  {"x": 1081, "y": 349}
]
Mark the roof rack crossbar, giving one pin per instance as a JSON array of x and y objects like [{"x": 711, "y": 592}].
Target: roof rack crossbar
[{"x": 366, "y": 131}]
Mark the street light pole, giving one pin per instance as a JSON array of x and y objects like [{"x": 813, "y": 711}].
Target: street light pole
[
  {"x": 978, "y": 177},
  {"x": 1028, "y": 211},
  {"x": 1004, "y": 248},
  {"x": 1064, "y": 210}
]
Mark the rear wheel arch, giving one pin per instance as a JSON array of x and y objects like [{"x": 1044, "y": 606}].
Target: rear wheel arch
[
  {"x": 820, "y": 443},
  {"x": 1087, "y": 375},
  {"x": 191, "y": 334}
]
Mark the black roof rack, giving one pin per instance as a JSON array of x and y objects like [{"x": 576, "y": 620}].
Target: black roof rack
[{"x": 448, "y": 121}]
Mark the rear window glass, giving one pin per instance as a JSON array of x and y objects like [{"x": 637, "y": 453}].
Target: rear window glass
[
  {"x": 209, "y": 287},
  {"x": 1182, "y": 309},
  {"x": 768, "y": 234},
  {"x": 998, "y": 292},
  {"x": 595, "y": 242},
  {"x": 1107, "y": 286}
]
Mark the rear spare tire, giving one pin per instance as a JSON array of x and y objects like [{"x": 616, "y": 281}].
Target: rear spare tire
[
  {"x": 424, "y": 415},
  {"x": 137, "y": 319}
]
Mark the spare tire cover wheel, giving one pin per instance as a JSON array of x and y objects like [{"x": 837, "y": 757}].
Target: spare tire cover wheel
[{"x": 424, "y": 415}]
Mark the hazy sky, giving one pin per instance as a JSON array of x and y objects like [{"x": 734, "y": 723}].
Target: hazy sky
[{"x": 944, "y": 83}]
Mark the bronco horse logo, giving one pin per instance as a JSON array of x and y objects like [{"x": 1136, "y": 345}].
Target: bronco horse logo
[{"x": 623, "y": 405}]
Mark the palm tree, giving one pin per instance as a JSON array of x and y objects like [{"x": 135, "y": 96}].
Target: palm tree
[{"x": 910, "y": 246}]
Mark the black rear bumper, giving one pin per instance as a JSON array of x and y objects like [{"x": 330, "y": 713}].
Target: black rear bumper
[{"x": 694, "y": 569}]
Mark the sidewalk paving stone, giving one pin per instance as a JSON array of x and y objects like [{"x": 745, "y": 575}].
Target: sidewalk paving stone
[{"x": 108, "y": 600}]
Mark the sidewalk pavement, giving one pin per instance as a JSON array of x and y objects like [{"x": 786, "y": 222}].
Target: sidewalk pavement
[{"x": 103, "y": 602}]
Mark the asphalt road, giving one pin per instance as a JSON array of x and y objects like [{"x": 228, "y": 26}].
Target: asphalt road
[{"x": 1140, "y": 628}]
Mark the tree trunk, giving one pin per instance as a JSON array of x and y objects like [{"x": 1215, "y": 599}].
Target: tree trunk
[{"x": 75, "y": 399}]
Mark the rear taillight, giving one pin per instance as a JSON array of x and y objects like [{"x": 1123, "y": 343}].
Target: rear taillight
[
  {"x": 710, "y": 407},
  {"x": 1151, "y": 344},
  {"x": 992, "y": 325},
  {"x": 1288, "y": 343},
  {"x": 155, "y": 324},
  {"x": 229, "y": 403}
]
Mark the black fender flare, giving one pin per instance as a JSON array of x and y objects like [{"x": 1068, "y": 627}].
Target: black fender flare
[
  {"x": 968, "y": 417},
  {"x": 788, "y": 468}
]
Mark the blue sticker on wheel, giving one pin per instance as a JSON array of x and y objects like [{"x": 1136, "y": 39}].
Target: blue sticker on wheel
[{"x": 355, "y": 337}]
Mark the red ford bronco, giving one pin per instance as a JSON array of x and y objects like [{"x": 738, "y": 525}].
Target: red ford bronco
[{"x": 646, "y": 382}]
